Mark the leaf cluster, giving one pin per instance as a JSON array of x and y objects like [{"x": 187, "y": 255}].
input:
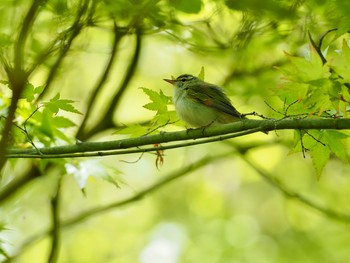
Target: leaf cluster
[
  {"x": 40, "y": 124},
  {"x": 317, "y": 86}
]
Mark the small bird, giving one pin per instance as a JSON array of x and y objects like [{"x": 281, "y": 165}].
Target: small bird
[{"x": 201, "y": 104}]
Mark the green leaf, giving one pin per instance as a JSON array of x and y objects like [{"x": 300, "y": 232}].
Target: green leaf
[
  {"x": 28, "y": 92},
  {"x": 341, "y": 62},
  {"x": 61, "y": 134},
  {"x": 133, "y": 130},
  {"x": 329, "y": 141},
  {"x": 46, "y": 126},
  {"x": 201, "y": 73},
  {"x": 305, "y": 70},
  {"x": 39, "y": 89},
  {"x": 66, "y": 105},
  {"x": 56, "y": 104},
  {"x": 62, "y": 122},
  {"x": 333, "y": 139},
  {"x": 320, "y": 155},
  {"x": 159, "y": 100},
  {"x": 187, "y": 6}
]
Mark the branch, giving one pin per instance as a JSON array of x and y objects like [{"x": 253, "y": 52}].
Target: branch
[
  {"x": 56, "y": 228},
  {"x": 107, "y": 121},
  {"x": 17, "y": 75},
  {"x": 92, "y": 100},
  {"x": 72, "y": 33},
  {"x": 217, "y": 133}
]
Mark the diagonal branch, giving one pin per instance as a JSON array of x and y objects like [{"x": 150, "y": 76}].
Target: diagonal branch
[
  {"x": 107, "y": 121},
  {"x": 72, "y": 33},
  {"x": 90, "y": 105}
]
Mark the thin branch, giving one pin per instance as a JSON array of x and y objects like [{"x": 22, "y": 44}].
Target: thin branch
[
  {"x": 303, "y": 148},
  {"x": 317, "y": 47}
]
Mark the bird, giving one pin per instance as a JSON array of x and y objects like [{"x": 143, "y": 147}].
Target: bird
[{"x": 202, "y": 104}]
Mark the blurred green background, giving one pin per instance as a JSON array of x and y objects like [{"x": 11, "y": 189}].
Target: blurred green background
[{"x": 265, "y": 204}]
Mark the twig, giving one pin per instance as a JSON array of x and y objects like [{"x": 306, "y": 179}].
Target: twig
[
  {"x": 136, "y": 161},
  {"x": 303, "y": 149},
  {"x": 255, "y": 114},
  {"x": 158, "y": 127},
  {"x": 26, "y": 131}
]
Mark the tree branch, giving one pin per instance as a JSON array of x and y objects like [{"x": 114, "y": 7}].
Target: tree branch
[
  {"x": 107, "y": 121},
  {"x": 56, "y": 227},
  {"x": 17, "y": 75},
  {"x": 71, "y": 34},
  {"x": 92, "y": 100},
  {"x": 216, "y": 133}
]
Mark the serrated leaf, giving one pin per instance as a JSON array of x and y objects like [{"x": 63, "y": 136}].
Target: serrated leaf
[
  {"x": 133, "y": 130},
  {"x": 341, "y": 62},
  {"x": 296, "y": 143},
  {"x": 61, "y": 134},
  {"x": 62, "y": 122},
  {"x": 46, "y": 124},
  {"x": 52, "y": 107},
  {"x": 159, "y": 100},
  {"x": 66, "y": 105},
  {"x": 333, "y": 139},
  {"x": 56, "y": 104},
  {"x": 304, "y": 70},
  {"x": 153, "y": 106},
  {"x": 320, "y": 155},
  {"x": 57, "y": 96}
]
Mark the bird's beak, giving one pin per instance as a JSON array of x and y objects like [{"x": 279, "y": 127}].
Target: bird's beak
[{"x": 171, "y": 81}]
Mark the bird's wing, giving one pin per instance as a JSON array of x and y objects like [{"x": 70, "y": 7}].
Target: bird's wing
[{"x": 212, "y": 96}]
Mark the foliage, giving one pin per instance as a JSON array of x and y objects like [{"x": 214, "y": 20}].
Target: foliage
[{"x": 69, "y": 73}]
